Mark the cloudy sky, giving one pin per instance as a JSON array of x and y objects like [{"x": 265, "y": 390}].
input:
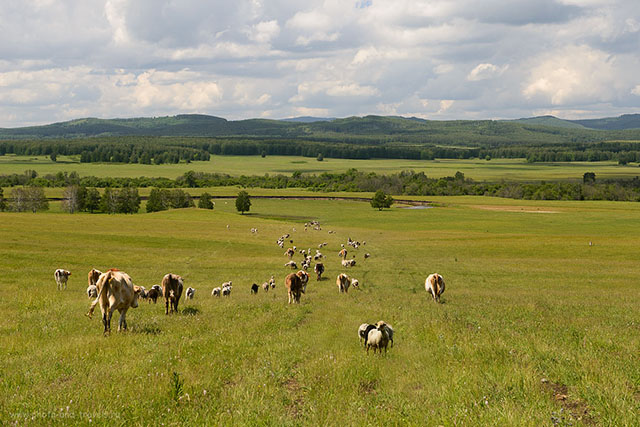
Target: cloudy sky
[{"x": 436, "y": 59}]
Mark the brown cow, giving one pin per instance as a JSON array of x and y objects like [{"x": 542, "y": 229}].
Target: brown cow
[
  {"x": 152, "y": 295},
  {"x": 116, "y": 291},
  {"x": 343, "y": 281},
  {"x": 172, "y": 285},
  {"x": 293, "y": 283}
]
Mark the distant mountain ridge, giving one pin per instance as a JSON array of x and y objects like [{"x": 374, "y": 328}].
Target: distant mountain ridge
[{"x": 376, "y": 128}]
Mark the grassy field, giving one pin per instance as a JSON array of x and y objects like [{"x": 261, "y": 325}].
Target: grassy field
[
  {"x": 481, "y": 170},
  {"x": 537, "y": 326}
]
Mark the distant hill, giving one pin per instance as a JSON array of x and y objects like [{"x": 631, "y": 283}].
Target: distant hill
[
  {"x": 626, "y": 121},
  {"x": 371, "y": 130},
  {"x": 549, "y": 121},
  {"x": 308, "y": 119}
]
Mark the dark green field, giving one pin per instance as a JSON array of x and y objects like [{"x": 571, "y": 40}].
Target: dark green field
[{"x": 537, "y": 326}]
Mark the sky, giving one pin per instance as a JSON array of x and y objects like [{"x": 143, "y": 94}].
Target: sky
[{"x": 434, "y": 59}]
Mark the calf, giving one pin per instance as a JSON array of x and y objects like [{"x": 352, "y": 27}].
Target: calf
[
  {"x": 152, "y": 295},
  {"x": 61, "y": 277},
  {"x": 343, "y": 282}
]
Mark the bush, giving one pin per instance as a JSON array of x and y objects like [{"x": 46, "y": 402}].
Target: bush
[{"x": 205, "y": 201}]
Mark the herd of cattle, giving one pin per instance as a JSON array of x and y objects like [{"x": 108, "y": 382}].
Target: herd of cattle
[{"x": 114, "y": 289}]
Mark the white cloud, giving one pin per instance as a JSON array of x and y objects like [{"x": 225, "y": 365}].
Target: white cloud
[{"x": 485, "y": 71}]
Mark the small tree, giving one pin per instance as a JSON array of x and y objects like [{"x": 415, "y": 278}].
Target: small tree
[
  {"x": 243, "y": 202},
  {"x": 263, "y": 154},
  {"x": 109, "y": 201},
  {"x": 128, "y": 200},
  {"x": 74, "y": 198},
  {"x": 381, "y": 200},
  {"x": 320, "y": 157},
  {"x": 589, "y": 178},
  {"x": 158, "y": 200},
  {"x": 92, "y": 200},
  {"x": 53, "y": 157},
  {"x": 180, "y": 199},
  {"x": 29, "y": 199},
  {"x": 3, "y": 203},
  {"x": 205, "y": 201}
]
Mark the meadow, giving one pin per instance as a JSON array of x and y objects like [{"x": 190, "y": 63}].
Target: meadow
[
  {"x": 479, "y": 170},
  {"x": 537, "y": 325}
]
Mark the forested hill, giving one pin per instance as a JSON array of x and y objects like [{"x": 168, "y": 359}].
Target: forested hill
[{"x": 368, "y": 129}]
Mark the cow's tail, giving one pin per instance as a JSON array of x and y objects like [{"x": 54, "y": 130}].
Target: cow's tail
[{"x": 103, "y": 289}]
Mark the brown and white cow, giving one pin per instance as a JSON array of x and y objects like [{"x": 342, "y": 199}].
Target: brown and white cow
[
  {"x": 343, "y": 282},
  {"x": 293, "y": 283},
  {"x": 61, "y": 277},
  {"x": 116, "y": 291},
  {"x": 304, "y": 278},
  {"x": 435, "y": 286},
  {"x": 172, "y": 285},
  {"x": 319, "y": 269}
]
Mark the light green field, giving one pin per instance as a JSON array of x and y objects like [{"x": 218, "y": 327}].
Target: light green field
[
  {"x": 537, "y": 326},
  {"x": 481, "y": 170}
]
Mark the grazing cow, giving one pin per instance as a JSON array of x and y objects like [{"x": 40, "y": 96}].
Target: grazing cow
[
  {"x": 172, "y": 285},
  {"x": 304, "y": 278},
  {"x": 92, "y": 291},
  {"x": 343, "y": 282},
  {"x": 254, "y": 288},
  {"x": 293, "y": 283},
  {"x": 435, "y": 286},
  {"x": 190, "y": 293},
  {"x": 116, "y": 291},
  {"x": 319, "y": 269},
  {"x": 343, "y": 253},
  {"x": 216, "y": 292},
  {"x": 93, "y": 276},
  {"x": 152, "y": 295},
  {"x": 61, "y": 277}
]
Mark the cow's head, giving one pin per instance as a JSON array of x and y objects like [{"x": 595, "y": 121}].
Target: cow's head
[{"x": 137, "y": 290}]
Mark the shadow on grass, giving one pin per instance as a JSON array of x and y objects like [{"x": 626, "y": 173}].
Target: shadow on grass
[
  {"x": 190, "y": 311},
  {"x": 148, "y": 330}
]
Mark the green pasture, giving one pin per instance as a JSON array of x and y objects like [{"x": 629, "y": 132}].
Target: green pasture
[
  {"x": 481, "y": 170},
  {"x": 537, "y": 325}
]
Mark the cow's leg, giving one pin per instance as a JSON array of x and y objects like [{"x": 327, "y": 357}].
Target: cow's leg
[
  {"x": 122, "y": 323},
  {"x": 166, "y": 306}
]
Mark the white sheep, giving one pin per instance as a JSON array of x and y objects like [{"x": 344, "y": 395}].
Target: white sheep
[
  {"x": 378, "y": 338},
  {"x": 216, "y": 292},
  {"x": 92, "y": 291},
  {"x": 292, "y": 265},
  {"x": 190, "y": 293}
]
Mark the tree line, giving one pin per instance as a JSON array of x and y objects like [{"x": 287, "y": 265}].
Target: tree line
[{"x": 159, "y": 150}]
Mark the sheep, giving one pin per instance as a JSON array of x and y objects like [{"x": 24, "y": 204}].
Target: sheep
[
  {"x": 216, "y": 292},
  {"x": 265, "y": 286},
  {"x": 158, "y": 288},
  {"x": 92, "y": 291},
  {"x": 363, "y": 332},
  {"x": 367, "y": 255},
  {"x": 272, "y": 282},
  {"x": 389, "y": 330},
  {"x": 343, "y": 282},
  {"x": 290, "y": 252},
  {"x": 348, "y": 262},
  {"x": 226, "y": 291},
  {"x": 355, "y": 283},
  {"x": 435, "y": 286},
  {"x": 292, "y": 265},
  {"x": 254, "y": 288},
  {"x": 190, "y": 293},
  {"x": 378, "y": 338}
]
